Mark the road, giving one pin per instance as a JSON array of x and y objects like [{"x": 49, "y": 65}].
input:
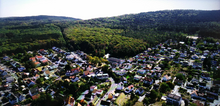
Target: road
[{"x": 111, "y": 89}]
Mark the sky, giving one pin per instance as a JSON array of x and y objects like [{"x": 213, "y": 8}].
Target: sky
[{"x": 88, "y": 9}]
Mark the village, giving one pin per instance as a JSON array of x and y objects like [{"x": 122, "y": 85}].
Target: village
[{"x": 170, "y": 73}]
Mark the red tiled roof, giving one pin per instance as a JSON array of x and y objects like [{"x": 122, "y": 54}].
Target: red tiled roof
[
  {"x": 75, "y": 69},
  {"x": 44, "y": 61},
  {"x": 167, "y": 77},
  {"x": 72, "y": 77},
  {"x": 38, "y": 56},
  {"x": 86, "y": 72},
  {"x": 37, "y": 63},
  {"x": 32, "y": 58},
  {"x": 41, "y": 50},
  {"x": 35, "y": 96},
  {"x": 92, "y": 87},
  {"x": 131, "y": 86}
]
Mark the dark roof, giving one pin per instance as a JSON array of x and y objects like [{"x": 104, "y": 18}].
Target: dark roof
[
  {"x": 174, "y": 96},
  {"x": 148, "y": 79},
  {"x": 112, "y": 59}
]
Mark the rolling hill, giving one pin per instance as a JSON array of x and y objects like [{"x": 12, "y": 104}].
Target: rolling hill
[{"x": 124, "y": 35}]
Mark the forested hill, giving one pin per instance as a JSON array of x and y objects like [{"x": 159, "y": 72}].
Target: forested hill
[
  {"x": 40, "y": 17},
  {"x": 204, "y": 23},
  {"x": 124, "y": 35},
  {"x": 30, "y": 33}
]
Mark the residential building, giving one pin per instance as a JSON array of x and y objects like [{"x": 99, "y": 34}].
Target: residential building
[
  {"x": 166, "y": 78},
  {"x": 129, "y": 89},
  {"x": 173, "y": 99}
]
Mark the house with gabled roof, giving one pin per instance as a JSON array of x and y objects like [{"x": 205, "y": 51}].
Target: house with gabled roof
[
  {"x": 148, "y": 81},
  {"x": 166, "y": 78},
  {"x": 173, "y": 99},
  {"x": 141, "y": 71},
  {"x": 137, "y": 77},
  {"x": 129, "y": 89},
  {"x": 33, "y": 91},
  {"x": 139, "y": 91}
]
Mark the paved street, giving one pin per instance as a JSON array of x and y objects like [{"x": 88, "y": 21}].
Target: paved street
[{"x": 111, "y": 89}]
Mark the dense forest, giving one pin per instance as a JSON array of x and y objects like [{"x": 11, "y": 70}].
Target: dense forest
[{"x": 120, "y": 36}]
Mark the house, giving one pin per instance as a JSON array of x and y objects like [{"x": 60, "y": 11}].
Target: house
[
  {"x": 15, "y": 64},
  {"x": 75, "y": 70},
  {"x": 115, "y": 60},
  {"x": 22, "y": 68},
  {"x": 35, "y": 96},
  {"x": 22, "y": 97},
  {"x": 95, "y": 100},
  {"x": 110, "y": 96},
  {"x": 197, "y": 65},
  {"x": 137, "y": 77},
  {"x": 3, "y": 73},
  {"x": 70, "y": 101},
  {"x": 148, "y": 81},
  {"x": 139, "y": 91},
  {"x": 141, "y": 71},
  {"x": 74, "y": 78},
  {"x": 183, "y": 55},
  {"x": 33, "y": 91},
  {"x": 6, "y": 58},
  {"x": 99, "y": 92},
  {"x": 192, "y": 49},
  {"x": 102, "y": 76},
  {"x": 86, "y": 73},
  {"x": 212, "y": 96},
  {"x": 42, "y": 59},
  {"x": 10, "y": 79},
  {"x": 70, "y": 57},
  {"x": 121, "y": 73},
  {"x": 42, "y": 51},
  {"x": 178, "y": 82},
  {"x": 129, "y": 89},
  {"x": 206, "y": 76},
  {"x": 194, "y": 57},
  {"x": 93, "y": 88},
  {"x": 33, "y": 60},
  {"x": 30, "y": 83},
  {"x": 63, "y": 62},
  {"x": 194, "y": 81},
  {"x": 194, "y": 95},
  {"x": 120, "y": 87},
  {"x": 13, "y": 99},
  {"x": 166, "y": 78},
  {"x": 173, "y": 99},
  {"x": 47, "y": 73}
]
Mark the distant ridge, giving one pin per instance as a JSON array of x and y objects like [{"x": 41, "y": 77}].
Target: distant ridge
[{"x": 39, "y": 17}]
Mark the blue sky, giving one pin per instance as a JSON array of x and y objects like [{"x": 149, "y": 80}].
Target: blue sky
[{"x": 87, "y": 9}]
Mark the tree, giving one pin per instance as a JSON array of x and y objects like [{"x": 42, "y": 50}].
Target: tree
[
  {"x": 153, "y": 94},
  {"x": 146, "y": 100},
  {"x": 4, "y": 100},
  {"x": 164, "y": 87},
  {"x": 67, "y": 67},
  {"x": 180, "y": 76}
]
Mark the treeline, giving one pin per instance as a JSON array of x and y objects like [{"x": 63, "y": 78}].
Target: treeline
[
  {"x": 99, "y": 41},
  {"x": 17, "y": 38},
  {"x": 203, "y": 23}
]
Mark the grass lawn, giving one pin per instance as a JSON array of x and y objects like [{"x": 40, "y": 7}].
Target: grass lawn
[
  {"x": 121, "y": 99},
  {"x": 139, "y": 104}
]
